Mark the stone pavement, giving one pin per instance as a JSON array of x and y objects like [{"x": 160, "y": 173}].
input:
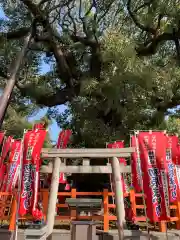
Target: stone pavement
[{"x": 111, "y": 235}]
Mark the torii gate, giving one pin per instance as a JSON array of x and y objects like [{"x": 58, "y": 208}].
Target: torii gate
[{"x": 55, "y": 155}]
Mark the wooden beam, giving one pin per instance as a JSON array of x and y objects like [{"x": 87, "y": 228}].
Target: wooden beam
[
  {"x": 88, "y": 150},
  {"x": 87, "y": 153},
  {"x": 86, "y": 169}
]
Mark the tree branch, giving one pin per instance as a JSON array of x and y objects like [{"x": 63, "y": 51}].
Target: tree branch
[
  {"x": 145, "y": 4},
  {"x": 138, "y": 24},
  {"x": 162, "y": 108},
  {"x": 60, "y": 97},
  {"x": 150, "y": 47},
  {"x": 49, "y": 100},
  {"x": 106, "y": 11},
  {"x": 84, "y": 40},
  {"x": 34, "y": 9},
  {"x": 17, "y": 34},
  {"x": 62, "y": 66}
]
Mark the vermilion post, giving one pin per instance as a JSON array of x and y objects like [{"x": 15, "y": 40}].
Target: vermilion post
[
  {"x": 73, "y": 212},
  {"x": 133, "y": 201},
  {"x": 106, "y": 212},
  {"x": 13, "y": 215}
]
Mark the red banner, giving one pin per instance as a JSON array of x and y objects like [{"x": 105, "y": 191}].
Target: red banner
[
  {"x": 136, "y": 166},
  {"x": 2, "y": 134},
  {"x": 118, "y": 144},
  {"x": 171, "y": 170},
  {"x": 62, "y": 142},
  {"x": 13, "y": 166},
  {"x": 64, "y": 138},
  {"x": 33, "y": 142},
  {"x": 175, "y": 150},
  {"x": 4, "y": 158},
  {"x": 6, "y": 148},
  {"x": 153, "y": 148},
  {"x": 39, "y": 126}
]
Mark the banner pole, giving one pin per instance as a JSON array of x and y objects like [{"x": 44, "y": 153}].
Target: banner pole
[
  {"x": 141, "y": 181},
  {"x": 165, "y": 132},
  {"x": 19, "y": 187}
]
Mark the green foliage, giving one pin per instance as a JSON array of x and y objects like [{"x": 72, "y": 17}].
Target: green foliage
[
  {"x": 16, "y": 122},
  {"x": 95, "y": 65},
  {"x": 173, "y": 125},
  {"x": 123, "y": 100}
]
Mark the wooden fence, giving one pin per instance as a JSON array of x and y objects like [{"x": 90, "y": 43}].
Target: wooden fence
[{"x": 8, "y": 206}]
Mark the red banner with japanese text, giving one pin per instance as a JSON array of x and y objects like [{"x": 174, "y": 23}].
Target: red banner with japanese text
[
  {"x": 175, "y": 150},
  {"x": 13, "y": 166},
  {"x": 176, "y": 160},
  {"x": 153, "y": 158},
  {"x": 32, "y": 145},
  {"x": 39, "y": 126},
  {"x": 171, "y": 170},
  {"x": 4, "y": 158},
  {"x": 136, "y": 165}
]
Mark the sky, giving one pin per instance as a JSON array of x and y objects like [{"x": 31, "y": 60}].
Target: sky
[{"x": 53, "y": 128}]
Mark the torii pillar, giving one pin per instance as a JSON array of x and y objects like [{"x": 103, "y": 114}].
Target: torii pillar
[
  {"x": 53, "y": 195},
  {"x": 119, "y": 198}
]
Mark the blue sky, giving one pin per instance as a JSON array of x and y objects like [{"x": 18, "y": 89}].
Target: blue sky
[{"x": 53, "y": 129}]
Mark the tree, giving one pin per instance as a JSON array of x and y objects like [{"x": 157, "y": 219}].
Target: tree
[
  {"x": 123, "y": 100},
  {"x": 158, "y": 22},
  {"x": 173, "y": 125},
  {"x": 89, "y": 71},
  {"x": 16, "y": 122}
]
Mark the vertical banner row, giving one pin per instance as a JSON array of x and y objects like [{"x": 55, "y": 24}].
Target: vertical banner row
[{"x": 32, "y": 145}]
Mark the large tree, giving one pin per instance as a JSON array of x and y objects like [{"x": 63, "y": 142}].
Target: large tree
[
  {"x": 93, "y": 70},
  {"x": 124, "y": 99}
]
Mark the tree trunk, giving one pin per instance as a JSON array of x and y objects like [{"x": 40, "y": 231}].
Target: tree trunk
[{"x": 11, "y": 79}]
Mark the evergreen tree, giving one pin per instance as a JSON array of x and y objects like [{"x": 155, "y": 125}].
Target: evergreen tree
[{"x": 91, "y": 48}]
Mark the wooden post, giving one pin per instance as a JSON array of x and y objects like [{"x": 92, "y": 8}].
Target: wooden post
[
  {"x": 53, "y": 196},
  {"x": 133, "y": 201},
  {"x": 162, "y": 226},
  {"x": 73, "y": 212},
  {"x": 13, "y": 215},
  {"x": 178, "y": 215},
  {"x": 106, "y": 210},
  {"x": 118, "y": 196},
  {"x": 45, "y": 195}
]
